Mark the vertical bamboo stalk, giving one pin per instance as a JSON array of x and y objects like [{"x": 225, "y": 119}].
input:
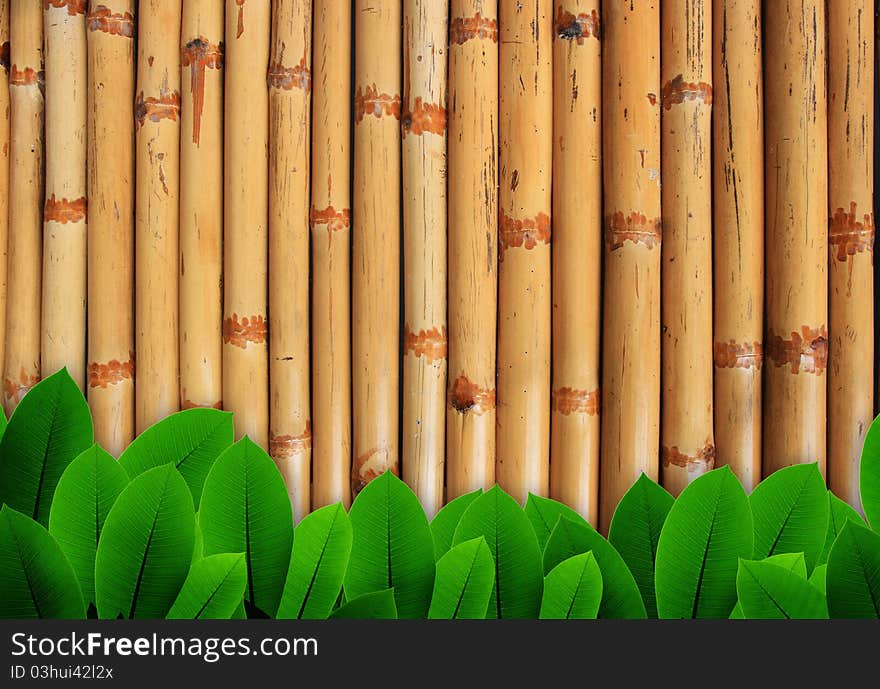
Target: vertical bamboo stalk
[
  {"x": 687, "y": 441},
  {"x": 796, "y": 173},
  {"x": 376, "y": 249},
  {"x": 473, "y": 245},
  {"x": 246, "y": 211},
  {"x": 577, "y": 255},
  {"x": 738, "y": 270},
  {"x": 290, "y": 429},
  {"x": 22, "y": 365},
  {"x": 201, "y": 204},
  {"x": 526, "y": 159},
  {"x": 851, "y": 240},
  {"x": 157, "y": 142},
  {"x": 111, "y": 222},
  {"x": 424, "y": 248},
  {"x": 331, "y": 245},
  {"x": 631, "y": 326},
  {"x": 4, "y": 167}
]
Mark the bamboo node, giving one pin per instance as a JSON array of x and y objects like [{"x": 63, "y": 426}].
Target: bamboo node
[
  {"x": 370, "y": 102},
  {"x": 25, "y": 77},
  {"x": 678, "y": 91},
  {"x": 189, "y": 404},
  {"x": 247, "y": 330},
  {"x": 15, "y": 390},
  {"x": 738, "y": 355},
  {"x": 573, "y": 401},
  {"x": 4, "y": 56},
  {"x": 635, "y": 228},
  {"x": 805, "y": 351},
  {"x": 430, "y": 344},
  {"x": 463, "y": 29},
  {"x": 102, "y": 18},
  {"x": 63, "y": 210},
  {"x": 286, "y": 446},
  {"x": 851, "y": 236},
  {"x": 111, "y": 373},
  {"x": 287, "y": 78},
  {"x": 165, "y": 107},
  {"x": 577, "y": 28},
  {"x": 74, "y": 7},
  {"x": 334, "y": 219},
  {"x": 526, "y": 233},
  {"x": 702, "y": 461},
  {"x": 200, "y": 54},
  {"x": 466, "y": 396},
  {"x": 424, "y": 117},
  {"x": 368, "y": 466}
]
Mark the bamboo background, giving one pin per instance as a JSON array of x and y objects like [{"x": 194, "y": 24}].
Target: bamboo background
[{"x": 430, "y": 236}]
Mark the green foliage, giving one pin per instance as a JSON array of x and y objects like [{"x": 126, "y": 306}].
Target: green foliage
[
  {"x": 544, "y": 514},
  {"x": 767, "y": 590},
  {"x": 444, "y": 522},
  {"x": 869, "y": 476},
  {"x": 853, "y": 577},
  {"x": 573, "y": 589},
  {"x": 213, "y": 589},
  {"x": 464, "y": 582},
  {"x": 376, "y": 605},
  {"x": 839, "y": 513}
]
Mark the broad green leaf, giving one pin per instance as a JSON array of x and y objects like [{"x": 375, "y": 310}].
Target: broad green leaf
[
  {"x": 36, "y": 580},
  {"x": 737, "y": 612},
  {"x": 321, "y": 548},
  {"x": 392, "y": 546},
  {"x": 3, "y": 423},
  {"x": 573, "y": 590},
  {"x": 853, "y": 577},
  {"x": 707, "y": 531},
  {"x": 793, "y": 562},
  {"x": 635, "y": 532},
  {"x": 818, "y": 577},
  {"x": 191, "y": 439},
  {"x": 464, "y": 581},
  {"x": 213, "y": 589},
  {"x": 240, "y": 613},
  {"x": 198, "y": 541},
  {"x": 620, "y": 593},
  {"x": 376, "y": 605},
  {"x": 869, "y": 475},
  {"x": 839, "y": 512},
  {"x": 444, "y": 522},
  {"x": 49, "y": 428},
  {"x": 768, "y": 591},
  {"x": 499, "y": 519},
  {"x": 790, "y": 512},
  {"x": 544, "y": 513},
  {"x": 146, "y": 547},
  {"x": 83, "y": 498},
  {"x": 245, "y": 509}
]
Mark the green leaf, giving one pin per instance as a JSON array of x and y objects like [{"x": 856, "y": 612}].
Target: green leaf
[
  {"x": 444, "y": 522},
  {"x": 769, "y": 591},
  {"x": 869, "y": 475},
  {"x": 839, "y": 513},
  {"x": 191, "y": 439},
  {"x": 499, "y": 519},
  {"x": 146, "y": 547},
  {"x": 793, "y": 562},
  {"x": 213, "y": 589},
  {"x": 36, "y": 580},
  {"x": 3, "y": 423},
  {"x": 790, "y": 511},
  {"x": 818, "y": 578},
  {"x": 83, "y": 498},
  {"x": 245, "y": 509},
  {"x": 853, "y": 578},
  {"x": 707, "y": 531},
  {"x": 321, "y": 549},
  {"x": 198, "y": 541},
  {"x": 376, "y": 605},
  {"x": 635, "y": 532},
  {"x": 573, "y": 590},
  {"x": 392, "y": 546},
  {"x": 620, "y": 593},
  {"x": 464, "y": 581},
  {"x": 49, "y": 428},
  {"x": 544, "y": 513}
]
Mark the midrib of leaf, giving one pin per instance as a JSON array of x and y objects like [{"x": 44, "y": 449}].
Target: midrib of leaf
[
  {"x": 858, "y": 551},
  {"x": 388, "y": 531},
  {"x": 302, "y": 607},
  {"x": 787, "y": 517},
  {"x": 467, "y": 580},
  {"x": 495, "y": 552},
  {"x": 137, "y": 587},
  {"x": 213, "y": 593},
  {"x": 706, "y": 554},
  {"x": 46, "y": 453},
  {"x": 197, "y": 446},
  {"x": 769, "y": 596},
  {"x": 24, "y": 569},
  {"x": 247, "y": 533},
  {"x": 577, "y": 590}
]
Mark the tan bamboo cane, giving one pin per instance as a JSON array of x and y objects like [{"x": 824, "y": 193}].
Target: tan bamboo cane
[
  {"x": 63, "y": 341},
  {"x": 4, "y": 167},
  {"x": 157, "y": 140},
  {"x": 290, "y": 428},
  {"x": 111, "y": 72},
  {"x": 851, "y": 240},
  {"x": 687, "y": 442},
  {"x": 524, "y": 298},
  {"x": 473, "y": 245},
  {"x": 246, "y": 209},
  {"x": 376, "y": 243},
  {"x": 631, "y": 321},
  {"x": 425, "y": 32},
  {"x": 577, "y": 255},
  {"x": 201, "y": 204},
  {"x": 22, "y": 365},
  {"x": 331, "y": 246},
  {"x": 796, "y": 202},
  {"x": 738, "y": 270}
]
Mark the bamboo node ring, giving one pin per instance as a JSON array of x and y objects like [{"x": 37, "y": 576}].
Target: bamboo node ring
[
  {"x": 635, "y": 227},
  {"x": 805, "y": 351},
  {"x": 702, "y": 461},
  {"x": 247, "y": 330},
  {"x": 526, "y": 233},
  {"x": 287, "y": 78},
  {"x": 74, "y": 7},
  {"x": 189, "y": 404},
  {"x": 464, "y": 29},
  {"x": 103, "y": 19},
  {"x": 200, "y": 54},
  {"x": 369, "y": 465},
  {"x": 733, "y": 354},
  {"x": 111, "y": 373},
  {"x": 424, "y": 117},
  {"x": 678, "y": 91},
  {"x": 430, "y": 344},
  {"x": 370, "y": 102},
  {"x": 27, "y": 76},
  {"x": 15, "y": 390},
  {"x": 286, "y": 446},
  {"x": 849, "y": 235},
  {"x": 165, "y": 107},
  {"x": 576, "y": 28},
  {"x": 574, "y": 401},
  {"x": 334, "y": 219},
  {"x": 63, "y": 210},
  {"x": 466, "y": 397}
]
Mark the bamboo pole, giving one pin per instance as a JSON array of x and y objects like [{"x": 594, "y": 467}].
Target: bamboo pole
[
  {"x": 631, "y": 326},
  {"x": 331, "y": 246},
  {"x": 851, "y": 240},
  {"x": 22, "y": 365},
  {"x": 201, "y": 204},
  {"x": 473, "y": 245},
  {"x": 738, "y": 270},
  {"x": 290, "y": 435},
  {"x": 796, "y": 234},
  {"x": 157, "y": 132},
  {"x": 524, "y": 303},
  {"x": 376, "y": 245},
  {"x": 246, "y": 209},
  {"x": 424, "y": 248},
  {"x": 111, "y": 223},
  {"x": 4, "y": 167},
  {"x": 577, "y": 255},
  {"x": 687, "y": 441}
]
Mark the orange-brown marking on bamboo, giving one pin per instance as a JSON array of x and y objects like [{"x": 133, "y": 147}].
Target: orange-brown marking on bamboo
[
  {"x": 165, "y": 107},
  {"x": 74, "y": 7},
  {"x": 287, "y": 78},
  {"x": 64, "y": 210},
  {"x": 25, "y": 77},
  {"x": 189, "y": 404},
  {"x": 849, "y": 235},
  {"x": 4, "y": 56},
  {"x": 526, "y": 233},
  {"x": 240, "y": 29},
  {"x": 634, "y": 227},
  {"x": 370, "y": 102},
  {"x": 652, "y": 99},
  {"x": 466, "y": 397},
  {"x": 805, "y": 351},
  {"x": 678, "y": 91},
  {"x": 577, "y": 28},
  {"x": 111, "y": 373},
  {"x": 334, "y": 219},
  {"x": 430, "y": 343},
  {"x": 423, "y": 117},
  {"x": 738, "y": 355},
  {"x": 16, "y": 389},
  {"x": 102, "y": 18},
  {"x": 286, "y": 446},
  {"x": 464, "y": 29},
  {"x": 573, "y": 401},
  {"x": 368, "y": 466},
  {"x": 704, "y": 456},
  {"x": 251, "y": 329},
  {"x": 199, "y": 54}
]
